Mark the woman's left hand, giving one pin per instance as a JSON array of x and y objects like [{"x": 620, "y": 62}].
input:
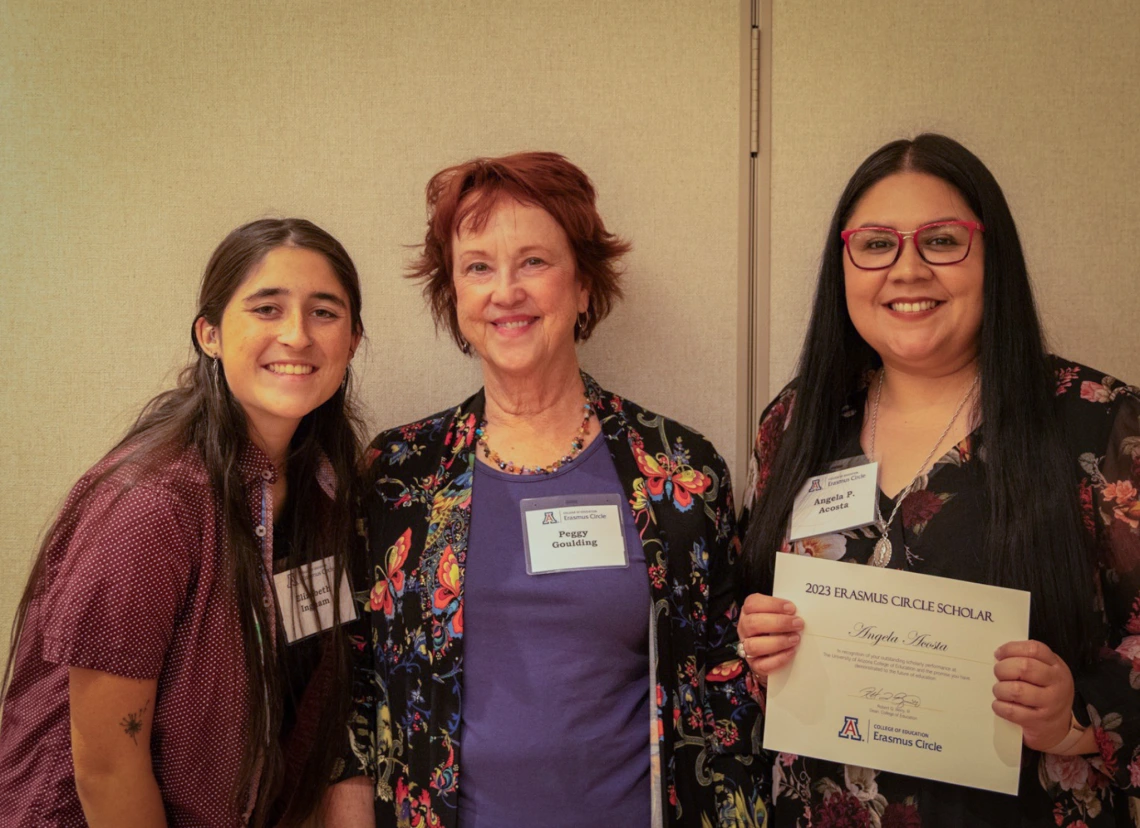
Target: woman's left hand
[{"x": 1034, "y": 690}]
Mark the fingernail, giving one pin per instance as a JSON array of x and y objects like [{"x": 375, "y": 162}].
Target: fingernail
[
  {"x": 789, "y": 607},
  {"x": 794, "y": 639},
  {"x": 797, "y": 623}
]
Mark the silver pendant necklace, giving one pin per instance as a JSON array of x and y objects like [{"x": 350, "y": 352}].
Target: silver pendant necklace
[{"x": 882, "y": 553}]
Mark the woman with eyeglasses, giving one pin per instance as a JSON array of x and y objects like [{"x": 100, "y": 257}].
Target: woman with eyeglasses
[
  {"x": 162, "y": 672},
  {"x": 998, "y": 463}
]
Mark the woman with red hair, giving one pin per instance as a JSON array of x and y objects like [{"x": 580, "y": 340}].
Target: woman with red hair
[{"x": 553, "y": 566}]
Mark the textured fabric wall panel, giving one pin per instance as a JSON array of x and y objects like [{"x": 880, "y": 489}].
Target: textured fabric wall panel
[
  {"x": 134, "y": 136},
  {"x": 1043, "y": 91}
]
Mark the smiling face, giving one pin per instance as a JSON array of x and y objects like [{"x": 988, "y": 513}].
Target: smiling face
[
  {"x": 285, "y": 340},
  {"x": 517, "y": 290},
  {"x": 918, "y": 317}
]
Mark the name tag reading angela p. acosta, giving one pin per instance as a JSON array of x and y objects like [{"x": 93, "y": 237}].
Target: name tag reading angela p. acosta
[
  {"x": 563, "y": 534},
  {"x": 835, "y": 501},
  {"x": 307, "y": 611}
]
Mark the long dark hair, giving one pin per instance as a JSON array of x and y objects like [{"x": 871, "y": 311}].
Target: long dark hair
[
  {"x": 202, "y": 415},
  {"x": 1034, "y": 537}
]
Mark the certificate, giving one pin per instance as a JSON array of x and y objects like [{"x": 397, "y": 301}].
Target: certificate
[{"x": 895, "y": 672}]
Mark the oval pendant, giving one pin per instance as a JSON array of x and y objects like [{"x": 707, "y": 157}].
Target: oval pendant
[{"x": 882, "y": 554}]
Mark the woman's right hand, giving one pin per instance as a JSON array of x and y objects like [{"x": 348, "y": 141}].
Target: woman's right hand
[
  {"x": 349, "y": 804},
  {"x": 769, "y": 632}
]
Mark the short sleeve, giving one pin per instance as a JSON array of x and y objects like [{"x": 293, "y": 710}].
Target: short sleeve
[
  {"x": 773, "y": 422},
  {"x": 1117, "y": 496},
  {"x": 1108, "y": 689},
  {"x": 119, "y": 583}
]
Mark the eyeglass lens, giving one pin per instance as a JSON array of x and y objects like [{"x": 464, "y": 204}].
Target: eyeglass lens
[{"x": 937, "y": 244}]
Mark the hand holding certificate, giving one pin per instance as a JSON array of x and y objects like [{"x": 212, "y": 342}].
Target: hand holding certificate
[{"x": 895, "y": 671}]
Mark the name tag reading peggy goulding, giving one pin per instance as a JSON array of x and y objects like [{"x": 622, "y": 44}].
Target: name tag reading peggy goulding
[
  {"x": 305, "y": 613},
  {"x": 835, "y": 501},
  {"x": 563, "y": 534}
]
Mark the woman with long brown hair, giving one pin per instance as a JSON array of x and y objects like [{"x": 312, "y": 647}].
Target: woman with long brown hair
[{"x": 156, "y": 674}]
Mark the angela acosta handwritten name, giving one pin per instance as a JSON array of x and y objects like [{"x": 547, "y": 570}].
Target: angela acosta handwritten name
[{"x": 920, "y": 640}]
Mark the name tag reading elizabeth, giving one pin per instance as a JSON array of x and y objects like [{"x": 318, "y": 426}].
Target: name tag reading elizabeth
[
  {"x": 835, "y": 501},
  {"x": 563, "y": 534},
  {"x": 307, "y": 611}
]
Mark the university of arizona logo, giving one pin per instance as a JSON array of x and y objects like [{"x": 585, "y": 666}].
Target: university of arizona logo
[
  {"x": 815, "y": 487},
  {"x": 850, "y": 729},
  {"x": 549, "y": 518}
]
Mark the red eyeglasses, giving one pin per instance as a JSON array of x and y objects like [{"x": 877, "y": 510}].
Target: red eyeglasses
[{"x": 941, "y": 243}]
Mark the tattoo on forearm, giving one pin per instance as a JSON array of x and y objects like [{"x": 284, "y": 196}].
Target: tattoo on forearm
[{"x": 132, "y": 723}]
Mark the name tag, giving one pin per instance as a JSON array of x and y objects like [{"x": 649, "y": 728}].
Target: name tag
[
  {"x": 564, "y": 534},
  {"x": 306, "y": 612},
  {"x": 835, "y": 501}
]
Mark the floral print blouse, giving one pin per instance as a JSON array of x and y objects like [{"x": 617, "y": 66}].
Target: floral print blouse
[
  {"x": 407, "y": 730},
  {"x": 942, "y": 520}
]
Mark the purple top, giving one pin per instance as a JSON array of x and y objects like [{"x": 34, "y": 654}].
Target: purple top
[{"x": 555, "y": 727}]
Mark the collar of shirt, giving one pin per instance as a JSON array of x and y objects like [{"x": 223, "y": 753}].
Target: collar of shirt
[{"x": 255, "y": 467}]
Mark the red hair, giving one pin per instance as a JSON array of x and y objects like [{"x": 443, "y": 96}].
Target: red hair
[{"x": 466, "y": 194}]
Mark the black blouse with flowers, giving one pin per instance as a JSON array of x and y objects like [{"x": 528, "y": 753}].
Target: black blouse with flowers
[
  {"x": 407, "y": 729},
  {"x": 941, "y": 533}
]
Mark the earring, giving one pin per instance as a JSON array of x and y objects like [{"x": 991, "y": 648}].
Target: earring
[
  {"x": 464, "y": 346},
  {"x": 344, "y": 382},
  {"x": 217, "y": 382},
  {"x": 581, "y": 325}
]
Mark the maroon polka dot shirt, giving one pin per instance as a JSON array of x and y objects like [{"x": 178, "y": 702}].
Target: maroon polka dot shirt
[{"x": 134, "y": 587}]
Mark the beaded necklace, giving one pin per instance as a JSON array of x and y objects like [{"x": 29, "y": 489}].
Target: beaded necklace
[{"x": 576, "y": 446}]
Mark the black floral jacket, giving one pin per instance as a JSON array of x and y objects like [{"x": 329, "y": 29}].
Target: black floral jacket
[
  {"x": 417, "y": 511},
  {"x": 945, "y": 514}
]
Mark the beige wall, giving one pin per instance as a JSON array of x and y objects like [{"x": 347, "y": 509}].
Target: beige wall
[
  {"x": 135, "y": 135},
  {"x": 1044, "y": 91}
]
